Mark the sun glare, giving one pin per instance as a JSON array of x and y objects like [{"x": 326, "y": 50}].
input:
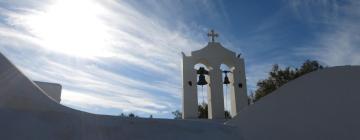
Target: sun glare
[{"x": 72, "y": 27}]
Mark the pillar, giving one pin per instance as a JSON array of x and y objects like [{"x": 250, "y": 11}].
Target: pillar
[
  {"x": 189, "y": 100},
  {"x": 216, "y": 99},
  {"x": 239, "y": 96}
]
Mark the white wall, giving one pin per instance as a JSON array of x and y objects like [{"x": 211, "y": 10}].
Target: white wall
[
  {"x": 51, "y": 89},
  {"x": 322, "y": 105}
]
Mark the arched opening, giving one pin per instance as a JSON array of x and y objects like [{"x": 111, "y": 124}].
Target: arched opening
[
  {"x": 228, "y": 88},
  {"x": 203, "y": 89}
]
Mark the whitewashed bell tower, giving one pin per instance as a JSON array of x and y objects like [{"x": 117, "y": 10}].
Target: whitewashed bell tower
[{"x": 212, "y": 56}]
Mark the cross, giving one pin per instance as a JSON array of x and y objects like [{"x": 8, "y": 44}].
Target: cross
[{"x": 212, "y": 34}]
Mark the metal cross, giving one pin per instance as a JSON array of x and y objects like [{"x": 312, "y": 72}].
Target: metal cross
[{"x": 212, "y": 34}]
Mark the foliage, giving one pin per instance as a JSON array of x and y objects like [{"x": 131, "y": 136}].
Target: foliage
[
  {"x": 203, "y": 111},
  {"x": 177, "y": 114},
  {"x": 278, "y": 77},
  {"x": 131, "y": 115},
  {"x": 227, "y": 114}
]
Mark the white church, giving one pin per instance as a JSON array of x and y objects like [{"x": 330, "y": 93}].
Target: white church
[{"x": 321, "y": 105}]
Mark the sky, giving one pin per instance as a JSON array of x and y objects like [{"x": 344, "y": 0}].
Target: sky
[{"x": 122, "y": 56}]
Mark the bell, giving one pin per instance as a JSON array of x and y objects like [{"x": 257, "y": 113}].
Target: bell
[
  {"x": 202, "y": 80},
  {"x": 226, "y": 78},
  {"x": 202, "y": 73}
]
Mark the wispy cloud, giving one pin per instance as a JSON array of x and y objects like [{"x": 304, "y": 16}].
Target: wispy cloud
[
  {"x": 138, "y": 73},
  {"x": 316, "y": 11},
  {"x": 124, "y": 56},
  {"x": 339, "y": 43}
]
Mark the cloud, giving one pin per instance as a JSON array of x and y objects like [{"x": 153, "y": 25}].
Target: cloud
[
  {"x": 124, "y": 56},
  {"x": 316, "y": 11},
  {"x": 140, "y": 68},
  {"x": 339, "y": 43},
  {"x": 85, "y": 100}
]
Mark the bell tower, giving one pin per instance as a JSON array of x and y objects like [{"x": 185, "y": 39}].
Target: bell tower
[{"x": 213, "y": 56}]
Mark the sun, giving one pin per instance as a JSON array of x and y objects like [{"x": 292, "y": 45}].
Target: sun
[{"x": 72, "y": 27}]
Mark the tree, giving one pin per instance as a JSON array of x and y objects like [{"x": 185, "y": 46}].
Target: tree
[
  {"x": 177, "y": 114},
  {"x": 227, "y": 114},
  {"x": 122, "y": 115},
  {"x": 131, "y": 115},
  {"x": 278, "y": 77},
  {"x": 203, "y": 111}
]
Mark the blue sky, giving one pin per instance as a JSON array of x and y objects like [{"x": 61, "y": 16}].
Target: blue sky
[{"x": 125, "y": 56}]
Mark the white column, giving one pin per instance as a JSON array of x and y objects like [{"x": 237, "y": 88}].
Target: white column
[
  {"x": 216, "y": 99},
  {"x": 190, "y": 101},
  {"x": 239, "y": 98},
  {"x": 231, "y": 90}
]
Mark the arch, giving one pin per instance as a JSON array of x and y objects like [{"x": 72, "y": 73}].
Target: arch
[
  {"x": 204, "y": 62},
  {"x": 229, "y": 62},
  {"x": 199, "y": 64},
  {"x": 203, "y": 92},
  {"x": 228, "y": 89}
]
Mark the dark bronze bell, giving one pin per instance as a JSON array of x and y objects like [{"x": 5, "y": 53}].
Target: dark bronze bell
[
  {"x": 202, "y": 80},
  {"x": 202, "y": 72},
  {"x": 226, "y": 78}
]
